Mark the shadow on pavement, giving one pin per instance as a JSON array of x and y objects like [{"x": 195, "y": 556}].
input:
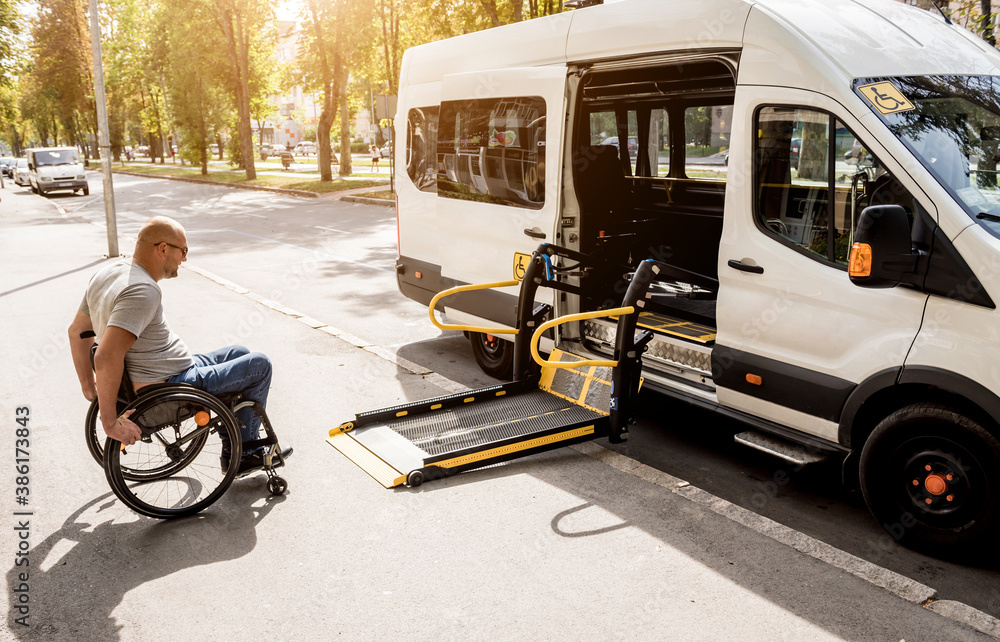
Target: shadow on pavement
[
  {"x": 103, "y": 551},
  {"x": 52, "y": 278}
]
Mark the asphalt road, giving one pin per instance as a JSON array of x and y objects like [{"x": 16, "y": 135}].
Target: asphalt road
[{"x": 334, "y": 262}]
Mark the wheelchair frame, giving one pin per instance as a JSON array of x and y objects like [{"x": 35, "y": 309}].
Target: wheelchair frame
[{"x": 186, "y": 403}]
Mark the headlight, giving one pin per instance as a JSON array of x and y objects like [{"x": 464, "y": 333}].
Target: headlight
[
  {"x": 81, "y": 177},
  {"x": 45, "y": 179}
]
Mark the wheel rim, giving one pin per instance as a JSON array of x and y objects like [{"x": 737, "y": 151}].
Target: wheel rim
[
  {"x": 940, "y": 482},
  {"x": 161, "y": 478},
  {"x": 492, "y": 346}
]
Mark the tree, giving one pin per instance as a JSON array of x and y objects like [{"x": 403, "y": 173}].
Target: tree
[
  {"x": 195, "y": 85},
  {"x": 60, "y": 90},
  {"x": 978, "y": 17},
  {"x": 10, "y": 30},
  {"x": 244, "y": 24}
]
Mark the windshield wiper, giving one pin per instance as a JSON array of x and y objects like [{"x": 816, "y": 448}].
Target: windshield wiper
[{"x": 989, "y": 217}]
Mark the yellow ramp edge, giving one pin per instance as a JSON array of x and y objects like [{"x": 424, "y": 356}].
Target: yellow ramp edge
[
  {"x": 368, "y": 461},
  {"x": 512, "y": 448}
]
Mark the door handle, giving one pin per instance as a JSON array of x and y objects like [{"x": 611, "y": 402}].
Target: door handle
[
  {"x": 535, "y": 235},
  {"x": 743, "y": 267}
]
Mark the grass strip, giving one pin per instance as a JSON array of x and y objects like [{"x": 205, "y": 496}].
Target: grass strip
[{"x": 239, "y": 177}]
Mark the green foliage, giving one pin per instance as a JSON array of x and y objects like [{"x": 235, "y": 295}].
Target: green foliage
[
  {"x": 234, "y": 149},
  {"x": 10, "y": 29},
  {"x": 978, "y": 16}
]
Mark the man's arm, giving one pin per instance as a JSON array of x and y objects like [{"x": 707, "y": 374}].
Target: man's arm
[
  {"x": 109, "y": 361},
  {"x": 80, "y": 349}
]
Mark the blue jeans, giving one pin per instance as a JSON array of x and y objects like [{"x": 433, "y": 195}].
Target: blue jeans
[{"x": 232, "y": 369}]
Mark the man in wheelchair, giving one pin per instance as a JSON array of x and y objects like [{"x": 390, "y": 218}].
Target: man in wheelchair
[{"x": 122, "y": 308}]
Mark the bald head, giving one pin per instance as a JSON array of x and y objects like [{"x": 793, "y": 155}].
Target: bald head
[
  {"x": 159, "y": 229},
  {"x": 161, "y": 247}
]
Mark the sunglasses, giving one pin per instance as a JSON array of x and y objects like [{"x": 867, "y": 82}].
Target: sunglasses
[{"x": 184, "y": 250}]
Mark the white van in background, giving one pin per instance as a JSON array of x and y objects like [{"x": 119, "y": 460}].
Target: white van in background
[
  {"x": 822, "y": 175},
  {"x": 52, "y": 169}
]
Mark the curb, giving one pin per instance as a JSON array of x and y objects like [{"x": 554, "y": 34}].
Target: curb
[
  {"x": 364, "y": 200},
  {"x": 899, "y": 585},
  {"x": 259, "y": 188}
]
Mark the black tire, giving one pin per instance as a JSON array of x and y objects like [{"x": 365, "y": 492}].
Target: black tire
[
  {"x": 86, "y": 191},
  {"x": 494, "y": 355},
  {"x": 94, "y": 434},
  {"x": 175, "y": 481},
  {"x": 931, "y": 477},
  {"x": 277, "y": 485}
]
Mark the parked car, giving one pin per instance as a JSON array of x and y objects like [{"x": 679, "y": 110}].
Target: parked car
[
  {"x": 270, "y": 149},
  {"x": 305, "y": 148},
  {"x": 53, "y": 169},
  {"x": 633, "y": 144},
  {"x": 386, "y": 150},
  {"x": 21, "y": 172},
  {"x": 7, "y": 164}
]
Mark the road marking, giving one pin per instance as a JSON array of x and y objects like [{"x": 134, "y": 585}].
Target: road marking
[{"x": 257, "y": 215}]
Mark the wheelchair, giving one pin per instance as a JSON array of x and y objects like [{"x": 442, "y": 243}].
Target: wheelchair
[{"x": 189, "y": 452}]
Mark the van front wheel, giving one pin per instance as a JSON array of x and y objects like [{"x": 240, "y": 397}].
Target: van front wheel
[
  {"x": 931, "y": 477},
  {"x": 494, "y": 355}
]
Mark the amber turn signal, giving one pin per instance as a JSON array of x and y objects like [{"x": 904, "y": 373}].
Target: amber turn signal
[
  {"x": 754, "y": 379},
  {"x": 860, "y": 262}
]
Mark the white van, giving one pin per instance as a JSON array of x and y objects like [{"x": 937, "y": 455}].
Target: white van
[
  {"x": 52, "y": 169},
  {"x": 772, "y": 137}
]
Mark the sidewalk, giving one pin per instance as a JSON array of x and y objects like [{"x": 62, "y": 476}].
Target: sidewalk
[{"x": 557, "y": 546}]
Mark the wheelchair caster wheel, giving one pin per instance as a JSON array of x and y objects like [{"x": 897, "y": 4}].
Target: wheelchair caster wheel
[
  {"x": 415, "y": 478},
  {"x": 276, "y": 485}
]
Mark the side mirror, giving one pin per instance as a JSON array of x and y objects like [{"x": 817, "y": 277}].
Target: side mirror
[{"x": 882, "y": 254}]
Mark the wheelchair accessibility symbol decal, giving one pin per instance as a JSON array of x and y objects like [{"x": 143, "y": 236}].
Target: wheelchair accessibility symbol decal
[
  {"x": 885, "y": 97},
  {"x": 521, "y": 261}
]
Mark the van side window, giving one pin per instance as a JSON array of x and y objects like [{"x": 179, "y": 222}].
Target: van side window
[
  {"x": 421, "y": 147},
  {"x": 493, "y": 151},
  {"x": 812, "y": 179},
  {"x": 659, "y": 142},
  {"x": 707, "y": 132}
]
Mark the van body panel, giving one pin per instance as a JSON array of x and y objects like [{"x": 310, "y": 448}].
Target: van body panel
[
  {"x": 414, "y": 228},
  {"x": 483, "y": 238},
  {"x": 538, "y": 42},
  {"x": 641, "y": 27},
  {"x": 817, "y": 45},
  {"x": 799, "y": 311},
  {"x": 810, "y": 424},
  {"x": 959, "y": 337}
]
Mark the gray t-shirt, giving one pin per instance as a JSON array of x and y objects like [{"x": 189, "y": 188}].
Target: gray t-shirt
[{"x": 125, "y": 296}]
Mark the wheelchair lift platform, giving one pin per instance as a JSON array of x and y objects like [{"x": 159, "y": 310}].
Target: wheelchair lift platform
[
  {"x": 437, "y": 437},
  {"x": 569, "y": 400}
]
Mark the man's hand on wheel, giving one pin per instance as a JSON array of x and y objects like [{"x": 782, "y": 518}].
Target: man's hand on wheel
[{"x": 124, "y": 430}]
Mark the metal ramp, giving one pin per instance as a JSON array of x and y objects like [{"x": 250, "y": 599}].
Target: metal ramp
[
  {"x": 442, "y": 436},
  {"x": 568, "y": 400}
]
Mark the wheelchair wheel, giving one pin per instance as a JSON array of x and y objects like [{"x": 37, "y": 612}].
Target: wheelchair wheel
[
  {"x": 175, "y": 469},
  {"x": 96, "y": 438},
  {"x": 94, "y": 434}
]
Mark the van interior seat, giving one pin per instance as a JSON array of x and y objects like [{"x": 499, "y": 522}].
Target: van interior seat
[{"x": 605, "y": 199}]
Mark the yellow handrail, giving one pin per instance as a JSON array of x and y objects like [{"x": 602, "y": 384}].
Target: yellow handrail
[
  {"x": 467, "y": 288},
  {"x": 566, "y": 319}
]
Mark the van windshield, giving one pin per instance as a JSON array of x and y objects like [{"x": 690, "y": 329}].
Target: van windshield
[
  {"x": 58, "y": 157},
  {"x": 952, "y": 125}
]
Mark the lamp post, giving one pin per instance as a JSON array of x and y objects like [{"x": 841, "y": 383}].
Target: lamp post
[{"x": 104, "y": 142}]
